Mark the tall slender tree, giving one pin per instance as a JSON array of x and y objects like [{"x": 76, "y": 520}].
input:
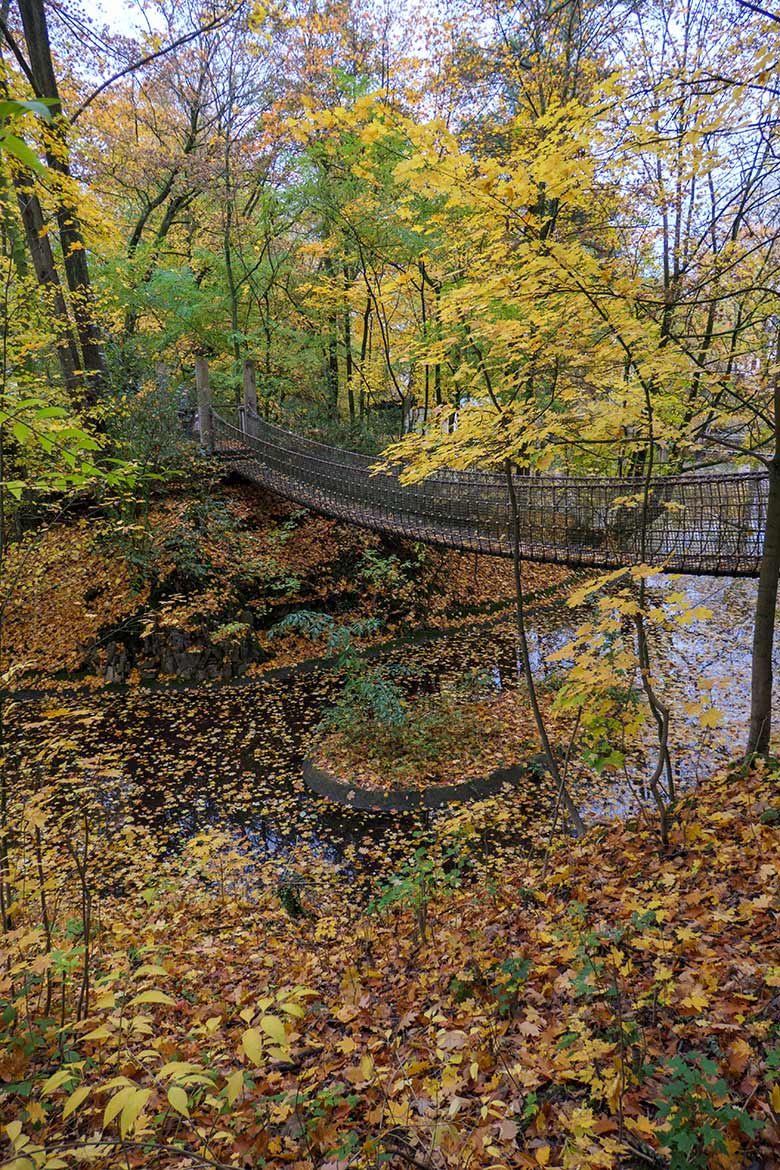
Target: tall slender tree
[{"x": 39, "y": 68}]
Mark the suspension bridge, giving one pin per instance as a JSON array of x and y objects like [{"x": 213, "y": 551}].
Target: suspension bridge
[{"x": 709, "y": 525}]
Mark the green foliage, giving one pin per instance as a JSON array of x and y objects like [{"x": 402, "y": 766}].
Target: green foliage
[
  {"x": 433, "y": 869},
  {"x": 186, "y": 553},
  {"x": 57, "y": 452},
  {"x": 372, "y": 706},
  {"x": 189, "y": 309},
  {"x": 379, "y": 570},
  {"x": 279, "y": 535},
  {"x": 512, "y": 976},
  {"x": 773, "y": 1065},
  {"x": 307, "y": 622},
  {"x": 290, "y": 897},
  {"x": 196, "y": 546},
  {"x": 370, "y": 698},
  {"x": 230, "y": 632},
  {"x": 369, "y": 436},
  {"x": 694, "y": 1105},
  {"x": 438, "y": 732},
  {"x": 147, "y": 426},
  {"x": 12, "y": 112}
]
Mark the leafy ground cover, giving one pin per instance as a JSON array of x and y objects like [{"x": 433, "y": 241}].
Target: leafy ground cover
[
  {"x": 229, "y": 756},
  {"x": 443, "y": 739},
  {"x": 214, "y": 569},
  {"x": 202, "y": 964},
  {"x": 620, "y": 1009}
]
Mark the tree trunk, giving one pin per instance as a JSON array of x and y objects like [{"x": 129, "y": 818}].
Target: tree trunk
[
  {"x": 47, "y": 276},
  {"x": 348, "y": 370},
  {"x": 265, "y": 314},
  {"x": 427, "y": 374},
  {"x": 332, "y": 343},
  {"x": 205, "y": 420},
  {"x": 765, "y": 615},
  {"x": 45, "y": 268},
  {"x": 231, "y": 283},
  {"x": 36, "y": 35},
  {"x": 250, "y": 396},
  {"x": 15, "y": 244},
  {"x": 332, "y": 370},
  {"x": 577, "y": 824}
]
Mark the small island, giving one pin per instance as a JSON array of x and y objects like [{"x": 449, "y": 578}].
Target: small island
[{"x": 444, "y": 748}]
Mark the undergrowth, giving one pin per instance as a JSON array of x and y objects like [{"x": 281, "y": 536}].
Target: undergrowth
[{"x": 620, "y": 1012}]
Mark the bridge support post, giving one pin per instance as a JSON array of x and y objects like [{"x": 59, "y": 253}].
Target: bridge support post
[
  {"x": 205, "y": 421},
  {"x": 250, "y": 396}
]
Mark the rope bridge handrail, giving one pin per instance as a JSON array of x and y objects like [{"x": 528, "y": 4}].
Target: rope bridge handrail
[{"x": 701, "y": 524}]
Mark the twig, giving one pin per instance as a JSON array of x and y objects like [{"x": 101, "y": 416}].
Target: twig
[
  {"x": 561, "y": 786},
  {"x": 217, "y": 22},
  {"x": 75, "y": 1147}
]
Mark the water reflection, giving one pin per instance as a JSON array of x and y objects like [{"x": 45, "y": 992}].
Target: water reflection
[{"x": 231, "y": 756}]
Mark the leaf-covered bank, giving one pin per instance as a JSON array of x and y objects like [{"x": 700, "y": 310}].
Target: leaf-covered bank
[
  {"x": 622, "y": 1010},
  {"x": 191, "y": 587}
]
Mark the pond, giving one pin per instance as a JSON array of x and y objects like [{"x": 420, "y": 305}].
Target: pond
[{"x": 230, "y": 755}]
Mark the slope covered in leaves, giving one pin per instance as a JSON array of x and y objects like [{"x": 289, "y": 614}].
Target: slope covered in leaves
[
  {"x": 213, "y": 567},
  {"x": 619, "y": 1010}
]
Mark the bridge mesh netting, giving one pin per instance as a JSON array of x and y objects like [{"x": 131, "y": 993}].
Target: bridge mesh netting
[{"x": 708, "y": 525}]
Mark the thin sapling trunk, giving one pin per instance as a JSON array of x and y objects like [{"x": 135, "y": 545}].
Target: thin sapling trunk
[{"x": 552, "y": 764}]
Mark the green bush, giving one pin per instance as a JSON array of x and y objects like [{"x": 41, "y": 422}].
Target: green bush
[{"x": 695, "y": 1108}]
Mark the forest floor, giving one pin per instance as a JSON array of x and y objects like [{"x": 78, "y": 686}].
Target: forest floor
[
  {"x": 493, "y": 995},
  {"x": 179, "y": 587},
  {"x": 620, "y": 1010}
]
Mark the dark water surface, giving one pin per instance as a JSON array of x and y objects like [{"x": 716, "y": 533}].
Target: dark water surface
[{"x": 230, "y": 756}]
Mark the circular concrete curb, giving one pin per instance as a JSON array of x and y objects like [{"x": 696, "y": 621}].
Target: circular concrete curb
[{"x": 324, "y": 783}]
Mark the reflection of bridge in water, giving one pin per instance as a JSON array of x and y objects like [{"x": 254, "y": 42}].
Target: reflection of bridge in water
[{"x": 708, "y": 525}]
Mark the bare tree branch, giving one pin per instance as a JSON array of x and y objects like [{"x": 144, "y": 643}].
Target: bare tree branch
[
  {"x": 217, "y": 22},
  {"x": 757, "y": 8},
  {"x": 738, "y": 448},
  {"x": 19, "y": 55}
]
